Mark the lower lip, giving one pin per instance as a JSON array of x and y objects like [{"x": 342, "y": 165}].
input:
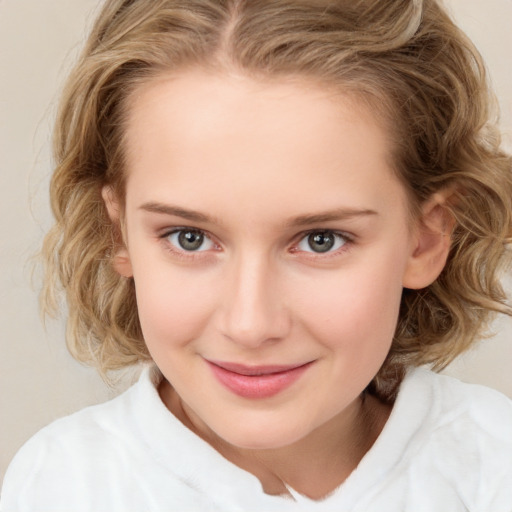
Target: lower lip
[{"x": 257, "y": 386}]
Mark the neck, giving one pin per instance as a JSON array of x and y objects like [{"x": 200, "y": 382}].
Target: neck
[
  {"x": 319, "y": 463},
  {"x": 313, "y": 466}
]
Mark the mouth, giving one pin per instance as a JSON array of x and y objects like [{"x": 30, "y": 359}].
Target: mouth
[{"x": 257, "y": 382}]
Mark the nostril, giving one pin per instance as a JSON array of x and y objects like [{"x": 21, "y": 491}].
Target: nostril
[{"x": 252, "y": 311}]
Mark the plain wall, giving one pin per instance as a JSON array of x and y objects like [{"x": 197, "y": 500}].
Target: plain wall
[{"x": 39, "y": 40}]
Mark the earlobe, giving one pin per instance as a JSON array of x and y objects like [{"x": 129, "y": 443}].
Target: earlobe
[
  {"x": 431, "y": 243},
  {"x": 121, "y": 258}
]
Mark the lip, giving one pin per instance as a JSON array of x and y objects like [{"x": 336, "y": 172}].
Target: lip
[{"x": 257, "y": 381}]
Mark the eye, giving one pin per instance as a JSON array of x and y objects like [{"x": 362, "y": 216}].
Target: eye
[
  {"x": 322, "y": 242},
  {"x": 190, "y": 240}
]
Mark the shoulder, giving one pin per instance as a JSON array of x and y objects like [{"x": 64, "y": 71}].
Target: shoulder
[
  {"x": 470, "y": 415},
  {"x": 479, "y": 408},
  {"x": 83, "y": 430},
  {"x": 56, "y": 449},
  {"x": 465, "y": 439},
  {"x": 63, "y": 461}
]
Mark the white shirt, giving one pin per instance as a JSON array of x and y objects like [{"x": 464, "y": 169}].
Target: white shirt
[{"x": 447, "y": 447}]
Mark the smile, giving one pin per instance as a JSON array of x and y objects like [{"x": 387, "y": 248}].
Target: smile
[{"x": 257, "y": 381}]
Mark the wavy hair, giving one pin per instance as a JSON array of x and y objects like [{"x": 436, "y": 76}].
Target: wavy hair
[{"x": 404, "y": 57}]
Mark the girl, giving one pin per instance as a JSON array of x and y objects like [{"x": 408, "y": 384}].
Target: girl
[{"x": 281, "y": 209}]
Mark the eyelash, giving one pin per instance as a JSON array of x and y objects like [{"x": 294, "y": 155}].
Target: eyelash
[
  {"x": 182, "y": 253},
  {"x": 346, "y": 238}
]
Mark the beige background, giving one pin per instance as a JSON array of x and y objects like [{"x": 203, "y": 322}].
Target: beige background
[{"x": 38, "y": 41}]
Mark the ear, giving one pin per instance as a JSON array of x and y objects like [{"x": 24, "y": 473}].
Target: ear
[
  {"x": 431, "y": 242},
  {"x": 121, "y": 259}
]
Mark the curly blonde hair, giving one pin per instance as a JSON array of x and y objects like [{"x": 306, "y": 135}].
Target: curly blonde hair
[{"x": 405, "y": 57}]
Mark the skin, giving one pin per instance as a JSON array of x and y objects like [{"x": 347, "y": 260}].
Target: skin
[{"x": 256, "y": 166}]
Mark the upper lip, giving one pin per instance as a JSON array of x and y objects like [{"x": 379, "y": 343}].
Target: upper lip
[{"x": 243, "y": 369}]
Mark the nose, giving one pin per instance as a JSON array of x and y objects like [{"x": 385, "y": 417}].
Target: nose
[{"x": 253, "y": 311}]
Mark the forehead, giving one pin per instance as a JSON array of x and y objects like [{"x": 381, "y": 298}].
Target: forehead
[
  {"x": 279, "y": 139},
  {"x": 201, "y": 101}
]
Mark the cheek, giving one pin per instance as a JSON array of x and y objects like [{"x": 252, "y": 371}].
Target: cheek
[
  {"x": 173, "y": 308},
  {"x": 355, "y": 308}
]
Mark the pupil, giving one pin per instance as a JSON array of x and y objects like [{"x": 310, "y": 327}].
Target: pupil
[
  {"x": 321, "y": 242},
  {"x": 190, "y": 240}
]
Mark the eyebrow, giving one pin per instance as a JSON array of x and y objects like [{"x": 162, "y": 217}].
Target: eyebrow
[
  {"x": 329, "y": 216},
  {"x": 177, "y": 211},
  {"x": 302, "y": 220}
]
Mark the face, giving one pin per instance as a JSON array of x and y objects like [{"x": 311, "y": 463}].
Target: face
[{"x": 269, "y": 243}]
